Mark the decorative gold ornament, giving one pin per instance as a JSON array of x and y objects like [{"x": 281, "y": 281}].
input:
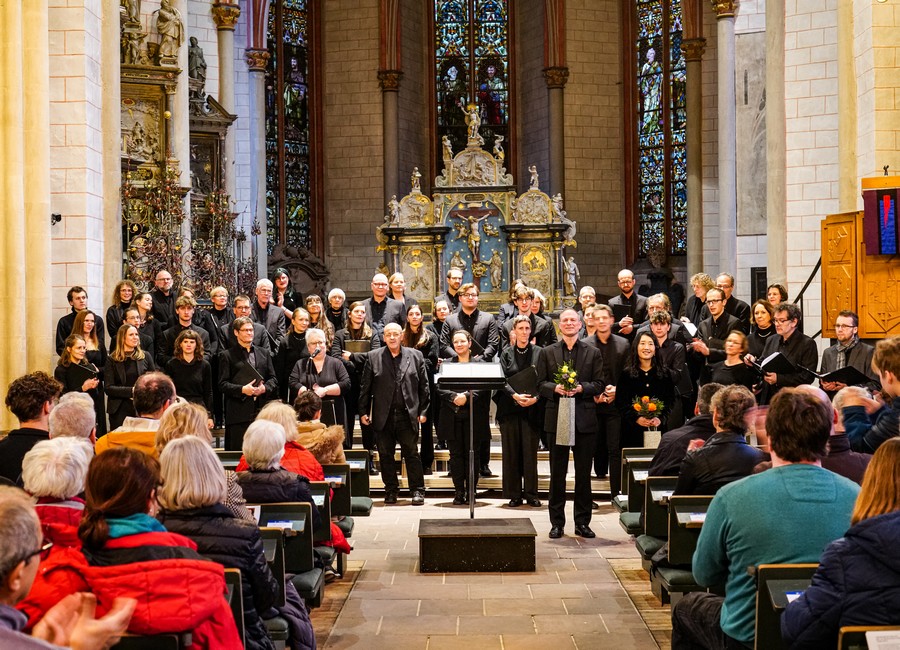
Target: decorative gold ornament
[
  {"x": 257, "y": 60},
  {"x": 724, "y": 8},
  {"x": 389, "y": 79},
  {"x": 226, "y": 15},
  {"x": 556, "y": 77},
  {"x": 693, "y": 48}
]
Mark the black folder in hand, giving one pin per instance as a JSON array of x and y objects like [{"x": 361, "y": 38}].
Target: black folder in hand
[
  {"x": 84, "y": 372},
  {"x": 621, "y": 311},
  {"x": 247, "y": 375},
  {"x": 777, "y": 363},
  {"x": 524, "y": 382},
  {"x": 847, "y": 375}
]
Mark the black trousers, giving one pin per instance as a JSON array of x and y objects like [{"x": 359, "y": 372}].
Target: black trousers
[
  {"x": 519, "y": 441},
  {"x": 583, "y": 450},
  {"x": 611, "y": 436},
  {"x": 234, "y": 435},
  {"x": 696, "y": 624},
  {"x": 427, "y": 441},
  {"x": 459, "y": 455},
  {"x": 399, "y": 430}
]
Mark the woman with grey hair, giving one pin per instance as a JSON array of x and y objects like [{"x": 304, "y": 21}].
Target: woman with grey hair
[
  {"x": 323, "y": 374},
  {"x": 266, "y": 481},
  {"x": 54, "y": 472},
  {"x": 192, "y": 497},
  {"x": 336, "y": 312}
]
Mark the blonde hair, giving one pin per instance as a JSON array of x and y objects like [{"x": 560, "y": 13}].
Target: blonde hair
[
  {"x": 192, "y": 476},
  {"x": 263, "y": 444},
  {"x": 57, "y": 467},
  {"x": 284, "y": 415},
  {"x": 119, "y": 353},
  {"x": 181, "y": 420},
  {"x": 880, "y": 492}
]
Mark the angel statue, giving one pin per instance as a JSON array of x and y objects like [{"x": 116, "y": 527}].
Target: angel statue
[
  {"x": 393, "y": 215},
  {"x": 498, "y": 148},
  {"x": 473, "y": 122},
  {"x": 534, "y": 177},
  {"x": 448, "y": 148}
]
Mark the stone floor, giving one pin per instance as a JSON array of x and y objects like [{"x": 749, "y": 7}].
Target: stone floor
[{"x": 573, "y": 600}]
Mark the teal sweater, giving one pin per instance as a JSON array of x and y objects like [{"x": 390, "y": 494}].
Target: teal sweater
[{"x": 785, "y": 515}]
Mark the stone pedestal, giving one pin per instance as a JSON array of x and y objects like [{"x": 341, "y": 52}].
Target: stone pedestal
[{"x": 476, "y": 545}]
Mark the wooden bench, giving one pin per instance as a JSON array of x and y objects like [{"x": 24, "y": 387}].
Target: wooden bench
[
  {"x": 321, "y": 494},
  {"x": 620, "y": 501},
  {"x": 686, "y": 515},
  {"x": 853, "y": 637},
  {"x": 360, "y": 498},
  {"x": 273, "y": 547},
  {"x": 630, "y": 519},
  {"x": 236, "y": 601},
  {"x": 338, "y": 477},
  {"x": 229, "y": 459},
  {"x": 787, "y": 578},
  {"x": 655, "y": 512}
]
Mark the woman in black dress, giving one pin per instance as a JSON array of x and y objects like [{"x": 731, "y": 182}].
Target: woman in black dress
[
  {"x": 123, "y": 367},
  {"x": 644, "y": 376},
  {"x": 417, "y": 336},
  {"x": 354, "y": 362},
  {"x": 291, "y": 349},
  {"x": 191, "y": 373},
  {"x": 439, "y": 314},
  {"x": 762, "y": 315},
  {"x": 123, "y": 294},
  {"x": 520, "y": 418},
  {"x": 397, "y": 284},
  {"x": 70, "y": 373},
  {"x": 454, "y": 422},
  {"x": 336, "y": 313},
  {"x": 732, "y": 370},
  {"x": 95, "y": 347},
  {"x": 318, "y": 319},
  {"x": 283, "y": 294},
  {"x": 149, "y": 326},
  {"x": 325, "y": 375}
]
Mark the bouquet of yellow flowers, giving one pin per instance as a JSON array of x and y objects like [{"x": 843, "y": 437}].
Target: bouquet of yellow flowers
[
  {"x": 566, "y": 376},
  {"x": 647, "y": 407}
]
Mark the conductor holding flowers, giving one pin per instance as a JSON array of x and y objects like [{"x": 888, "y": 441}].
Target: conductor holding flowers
[{"x": 570, "y": 375}]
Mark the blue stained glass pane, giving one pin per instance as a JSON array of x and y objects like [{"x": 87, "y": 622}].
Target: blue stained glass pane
[{"x": 491, "y": 11}]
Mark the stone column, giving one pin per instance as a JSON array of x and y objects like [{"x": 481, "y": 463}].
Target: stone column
[
  {"x": 256, "y": 62},
  {"x": 776, "y": 149},
  {"x": 693, "y": 55},
  {"x": 181, "y": 116},
  {"x": 389, "y": 80},
  {"x": 556, "y": 78},
  {"x": 727, "y": 136},
  {"x": 226, "y": 16},
  {"x": 848, "y": 189}
]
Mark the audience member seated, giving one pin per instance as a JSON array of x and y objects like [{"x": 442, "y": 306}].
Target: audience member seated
[
  {"x": 674, "y": 444},
  {"x": 186, "y": 419},
  {"x": 856, "y": 582},
  {"x": 870, "y": 422},
  {"x": 154, "y": 392},
  {"x": 30, "y": 398},
  {"x": 725, "y": 457},
  {"x": 178, "y": 589},
  {"x": 53, "y": 472},
  {"x": 785, "y": 515},
  {"x": 265, "y": 480},
  {"x": 324, "y": 442},
  {"x": 192, "y": 498},
  {"x": 840, "y": 459},
  {"x": 69, "y": 622},
  {"x": 74, "y": 416}
]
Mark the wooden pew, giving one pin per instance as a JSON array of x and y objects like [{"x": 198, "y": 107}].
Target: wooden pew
[
  {"x": 685, "y": 520},
  {"x": 772, "y": 582},
  {"x": 620, "y": 501},
  {"x": 630, "y": 520},
  {"x": 273, "y": 547},
  {"x": 321, "y": 494},
  {"x": 229, "y": 459},
  {"x": 655, "y": 512},
  {"x": 360, "y": 499},
  {"x": 235, "y": 600},
  {"x": 853, "y": 637},
  {"x": 338, "y": 477}
]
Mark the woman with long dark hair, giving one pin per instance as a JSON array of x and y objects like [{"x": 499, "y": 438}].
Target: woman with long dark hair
[
  {"x": 149, "y": 325},
  {"x": 318, "y": 319},
  {"x": 179, "y": 590},
  {"x": 417, "y": 336},
  {"x": 191, "y": 373},
  {"x": 439, "y": 313},
  {"x": 644, "y": 376},
  {"x": 77, "y": 374},
  {"x": 123, "y": 367},
  {"x": 283, "y": 294}
]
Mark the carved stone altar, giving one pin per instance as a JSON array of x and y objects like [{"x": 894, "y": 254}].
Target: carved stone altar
[{"x": 476, "y": 222}]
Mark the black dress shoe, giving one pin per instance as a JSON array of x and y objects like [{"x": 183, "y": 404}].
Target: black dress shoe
[
  {"x": 556, "y": 532},
  {"x": 534, "y": 503},
  {"x": 485, "y": 472},
  {"x": 418, "y": 498},
  {"x": 427, "y": 471},
  {"x": 585, "y": 531},
  {"x": 514, "y": 503},
  {"x": 595, "y": 505},
  {"x": 390, "y": 497},
  {"x": 460, "y": 499}
]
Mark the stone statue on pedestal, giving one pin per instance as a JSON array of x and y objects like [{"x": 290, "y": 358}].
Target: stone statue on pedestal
[
  {"x": 572, "y": 275},
  {"x": 170, "y": 27},
  {"x": 532, "y": 169}
]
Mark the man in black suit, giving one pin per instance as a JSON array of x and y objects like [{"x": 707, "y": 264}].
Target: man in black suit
[
  {"x": 394, "y": 385},
  {"x": 637, "y": 306},
  {"x": 485, "y": 343},
  {"x": 709, "y": 344},
  {"x": 542, "y": 331},
  {"x": 242, "y": 310},
  {"x": 382, "y": 309},
  {"x": 588, "y": 364},
  {"x": 184, "y": 320},
  {"x": 268, "y": 314},
  {"x": 30, "y": 398},
  {"x": 77, "y": 297},
  {"x": 451, "y": 295},
  {"x": 482, "y": 327},
  {"x": 733, "y": 306},
  {"x": 244, "y": 396},
  {"x": 163, "y": 300}
]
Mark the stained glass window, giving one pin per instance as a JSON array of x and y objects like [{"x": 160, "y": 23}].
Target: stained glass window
[
  {"x": 660, "y": 136},
  {"x": 287, "y": 125},
  {"x": 471, "y": 65}
]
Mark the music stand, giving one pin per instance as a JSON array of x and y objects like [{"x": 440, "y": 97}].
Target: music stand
[{"x": 467, "y": 378}]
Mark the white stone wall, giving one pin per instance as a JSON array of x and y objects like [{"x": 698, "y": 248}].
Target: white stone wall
[
  {"x": 200, "y": 24},
  {"x": 811, "y": 141},
  {"x": 243, "y": 199},
  {"x": 750, "y": 17},
  {"x": 76, "y": 151},
  {"x": 710, "y": 125}
]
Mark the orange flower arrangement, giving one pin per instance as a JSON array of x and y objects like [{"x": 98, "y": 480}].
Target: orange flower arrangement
[{"x": 647, "y": 406}]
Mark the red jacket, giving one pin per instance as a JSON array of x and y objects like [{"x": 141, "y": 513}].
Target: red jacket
[
  {"x": 175, "y": 594},
  {"x": 296, "y": 459},
  {"x": 59, "y": 520}
]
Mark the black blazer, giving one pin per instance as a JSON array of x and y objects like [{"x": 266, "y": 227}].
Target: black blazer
[
  {"x": 377, "y": 388},
  {"x": 394, "y": 312},
  {"x": 506, "y": 405},
  {"x": 66, "y": 323},
  {"x": 735, "y": 307},
  {"x": 638, "y": 312},
  {"x": 714, "y": 335},
  {"x": 165, "y": 343},
  {"x": 272, "y": 319},
  {"x": 542, "y": 332},
  {"x": 485, "y": 333},
  {"x": 229, "y": 340},
  {"x": 240, "y": 408},
  {"x": 118, "y": 388},
  {"x": 589, "y": 365}
]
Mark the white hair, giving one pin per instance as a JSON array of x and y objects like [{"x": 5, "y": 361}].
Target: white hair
[
  {"x": 74, "y": 416},
  {"x": 264, "y": 282},
  {"x": 315, "y": 331},
  {"x": 192, "y": 476},
  {"x": 837, "y": 402},
  {"x": 337, "y": 292},
  {"x": 264, "y": 444},
  {"x": 57, "y": 468},
  {"x": 283, "y": 414}
]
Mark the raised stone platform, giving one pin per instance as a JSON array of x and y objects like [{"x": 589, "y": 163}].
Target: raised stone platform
[{"x": 476, "y": 545}]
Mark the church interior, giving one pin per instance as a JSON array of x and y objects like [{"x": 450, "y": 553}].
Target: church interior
[{"x": 557, "y": 141}]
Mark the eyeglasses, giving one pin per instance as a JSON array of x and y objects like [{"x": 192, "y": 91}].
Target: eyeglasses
[
  {"x": 782, "y": 321},
  {"x": 45, "y": 546},
  {"x": 844, "y": 327},
  {"x": 470, "y": 295},
  {"x": 713, "y": 300}
]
